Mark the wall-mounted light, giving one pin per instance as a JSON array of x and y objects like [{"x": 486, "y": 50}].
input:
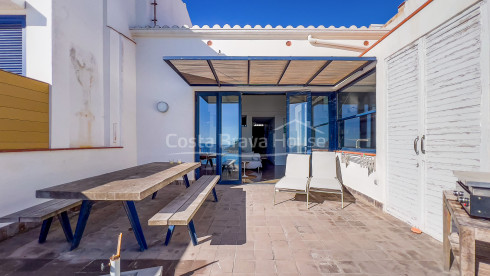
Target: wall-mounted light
[{"x": 162, "y": 107}]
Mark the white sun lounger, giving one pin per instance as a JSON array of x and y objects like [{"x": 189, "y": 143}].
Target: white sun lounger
[
  {"x": 297, "y": 176},
  {"x": 324, "y": 178}
]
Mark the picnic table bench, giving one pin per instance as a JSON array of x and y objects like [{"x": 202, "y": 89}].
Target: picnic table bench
[
  {"x": 128, "y": 185},
  {"x": 182, "y": 209},
  {"x": 45, "y": 212}
]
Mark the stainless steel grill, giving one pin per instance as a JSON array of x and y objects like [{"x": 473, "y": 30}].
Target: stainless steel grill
[{"x": 473, "y": 192}]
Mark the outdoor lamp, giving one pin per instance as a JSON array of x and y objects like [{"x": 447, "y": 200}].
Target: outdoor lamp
[{"x": 162, "y": 107}]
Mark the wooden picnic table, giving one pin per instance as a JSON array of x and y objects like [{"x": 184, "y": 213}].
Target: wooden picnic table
[
  {"x": 128, "y": 185},
  {"x": 462, "y": 243}
]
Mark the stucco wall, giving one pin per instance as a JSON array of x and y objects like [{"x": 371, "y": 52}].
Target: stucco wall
[
  {"x": 38, "y": 40},
  {"x": 168, "y": 13},
  {"x": 427, "y": 20},
  {"x": 156, "y": 81},
  {"x": 79, "y": 25},
  {"x": 421, "y": 24}
]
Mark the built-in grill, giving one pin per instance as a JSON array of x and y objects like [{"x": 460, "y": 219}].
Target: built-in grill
[{"x": 473, "y": 192}]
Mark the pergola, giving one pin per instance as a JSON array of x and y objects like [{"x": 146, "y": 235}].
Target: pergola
[{"x": 269, "y": 71}]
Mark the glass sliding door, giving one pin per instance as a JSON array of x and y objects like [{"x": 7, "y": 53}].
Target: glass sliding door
[
  {"x": 323, "y": 133},
  {"x": 206, "y": 132},
  {"x": 230, "y": 137},
  {"x": 299, "y": 122},
  {"x": 218, "y": 135}
]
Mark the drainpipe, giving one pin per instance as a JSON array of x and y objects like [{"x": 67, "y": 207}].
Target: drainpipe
[{"x": 329, "y": 44}]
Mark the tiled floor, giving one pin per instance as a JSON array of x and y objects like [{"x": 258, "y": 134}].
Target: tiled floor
[{"x": 241, "y": 234}]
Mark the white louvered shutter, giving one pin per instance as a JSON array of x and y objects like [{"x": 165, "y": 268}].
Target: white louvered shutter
[
  {"x": 11, "y": 48},
  {"x": 453, "y": 87},
  {"x": 403, "y": 179}
]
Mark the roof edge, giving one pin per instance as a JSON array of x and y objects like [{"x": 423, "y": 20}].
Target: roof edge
[{"x": 261, "y": 33}]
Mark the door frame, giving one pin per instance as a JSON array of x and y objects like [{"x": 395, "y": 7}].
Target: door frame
[
  {"x": 219, "y": 96},
  {"x": 332, "y": 113},
  {"x": 308, "y": 119}
]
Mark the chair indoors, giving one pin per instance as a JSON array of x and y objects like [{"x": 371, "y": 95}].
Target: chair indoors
[
  {"x": 324, "y": 174},
  {"x": 297, "y": 176}
]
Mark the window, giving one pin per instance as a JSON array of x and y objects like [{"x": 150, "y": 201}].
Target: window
[
  {"x": 323, "y": 121},
  {"x": 357, "y": 120},
  {"x": 11, "y": 48},
  {"x": 357, "y": 115}
]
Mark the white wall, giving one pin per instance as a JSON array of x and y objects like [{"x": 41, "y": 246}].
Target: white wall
[
  {"x": 357, "y": 178},
  {"x": 156, "y": 81},
  {"x": 168, "y": 13},
  {"x": 427, "y": 20},
  {"x": 38, "y": 40},
  {"x": 105, "y": 63},
  {"x": 267, "y": 106},
  {"x": 78, "y": 74}
]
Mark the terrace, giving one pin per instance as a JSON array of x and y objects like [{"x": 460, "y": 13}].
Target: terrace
[
  {"x": 242, "y": 234},
  {"x": 93, "y": 91}
]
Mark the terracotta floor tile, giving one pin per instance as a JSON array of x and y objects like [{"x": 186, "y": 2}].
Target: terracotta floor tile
[
  {"x": 244, "y": 254},
  {"x": 222, "y": 266},
  {"x": 265, "y": 267},
  {"x": 307, "y": 267},
  {"x": 282, "y": 253},
  {"x": 328, "y": 267},
  {"x": 283, "y": 266},
  {"x": 242, "y": 234},
  {"x": 244, "y": 266},
  {"x": 348, "y": 267},
  {"x": 371, "y": 267},
  {"x": 264, "y": 254}
]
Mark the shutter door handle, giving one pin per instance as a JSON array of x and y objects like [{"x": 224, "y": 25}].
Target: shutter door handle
[
  {"x": 415, "y": 142},
  {"x": 422, "y": 144}
]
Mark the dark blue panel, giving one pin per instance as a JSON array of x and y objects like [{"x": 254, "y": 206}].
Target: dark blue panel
[
  {"x": 11, "y": 43},
  {"x": 332, "y": 108},
  {"x": 13, "y": 20}
]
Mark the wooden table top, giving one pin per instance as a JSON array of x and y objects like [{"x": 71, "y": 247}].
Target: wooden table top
[
  {"x": 462, "y": 219},
  {"x": 132, "y": 184}
]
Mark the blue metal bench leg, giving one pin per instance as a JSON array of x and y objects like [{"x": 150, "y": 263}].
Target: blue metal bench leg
[
  {"x": 65, "y": 224},
  {"x": 186, "y": 181},
  {"x": 170, "y": 232},
  {"x": 135, "y": 224},
  {"x": 215, "y": 195},
  {"x": 154, "y": 195},
  {"x": 45, "y": 229},
  {"x": 192, "y": 232},
  {"x": 81, "y": 223}
]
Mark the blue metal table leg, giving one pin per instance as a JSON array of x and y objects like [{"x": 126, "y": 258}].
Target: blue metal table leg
[
  {"x": 135, "y": 224},
  {"x": 186, "y": 181},
  {"x": 170, "y": 232},
  {"x": 192, "y": 232},
  {"x": 215, "y": 195},
  {"x": 65, "y": 224},
  {"x": 154, "y": 195},
  {"x": 45, "y": 229},
  {"x": 81, "y": 223}
]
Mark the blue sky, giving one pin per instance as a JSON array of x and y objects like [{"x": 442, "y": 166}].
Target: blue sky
[{"x": 292, "y": 12}]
